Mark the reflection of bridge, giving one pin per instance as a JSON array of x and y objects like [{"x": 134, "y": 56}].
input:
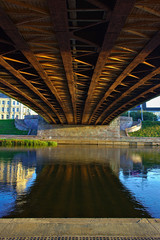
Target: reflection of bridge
[
  {"x": 77, "y": 181},
  {"x": 80, "y": 61}
]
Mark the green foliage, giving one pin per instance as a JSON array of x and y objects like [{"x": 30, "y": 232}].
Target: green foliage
[
  {"x": 147, "y": 116},
  {"x": 26, "y": 142},
  {"x": 149, "y": 129},
  {"x": 7, "y": 127}
]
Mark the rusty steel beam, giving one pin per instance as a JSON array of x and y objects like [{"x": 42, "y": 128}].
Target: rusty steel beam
[
  {"x": 72, "y": 36},
  {"x": 107, "y": 18},
  {"x": 11, "y": 30},
  {"x": 15, "y": 89},
  {"x": 133, "y": 100},
  {"x": 28, "y": 6},
  {"x": 23, "y": 80},
  {"x": 135, "y": 86},
  {"x": 140, "y": 58},
  {"x": 100, "y": 5},
  {"x": 118, "y": 17},
  {"x": 58, "y": 11}
]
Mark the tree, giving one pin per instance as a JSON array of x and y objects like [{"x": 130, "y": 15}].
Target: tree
[{"x": 147, "y": 116}]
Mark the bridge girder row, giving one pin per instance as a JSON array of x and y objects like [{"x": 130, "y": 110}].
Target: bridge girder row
[{"x": 80, "y": 61}]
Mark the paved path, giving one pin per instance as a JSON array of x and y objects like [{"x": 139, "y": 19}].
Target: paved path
[{"x": 106, "y": 228}]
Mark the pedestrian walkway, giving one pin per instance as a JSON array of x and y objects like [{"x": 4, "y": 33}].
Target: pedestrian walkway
[{"x": 80, "y": 229}]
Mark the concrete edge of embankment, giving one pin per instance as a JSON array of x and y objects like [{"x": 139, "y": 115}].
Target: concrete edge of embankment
[
  {"x": 44, "y": 227},
  {"x": 111, "y": 142},
  {"x": 123, "y": 141}
]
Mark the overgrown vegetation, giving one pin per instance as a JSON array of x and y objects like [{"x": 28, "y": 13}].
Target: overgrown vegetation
[
  {"x": 147, "y": 116},
  {"x": 26, "y": 142},
  {"x": 7, "y": 127},
  {"x": 149, "y": 129}
]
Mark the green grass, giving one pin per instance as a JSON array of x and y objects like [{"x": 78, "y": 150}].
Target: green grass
[
  {"x": 149, "y": 129},
  {"x": 7, "y": 127},
  {"x": 26, "y": 142}
]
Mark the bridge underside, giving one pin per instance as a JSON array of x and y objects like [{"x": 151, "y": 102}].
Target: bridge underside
[{"x": 80, "y": 61}]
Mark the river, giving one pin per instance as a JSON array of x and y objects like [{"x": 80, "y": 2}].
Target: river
[{"x": 80, "y": 181}]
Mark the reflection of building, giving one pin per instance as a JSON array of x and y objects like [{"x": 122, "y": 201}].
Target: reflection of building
[
  {"x": 11, "y": 109},
  {"x": 15, "y": 175},
  {"x": 131, "y": 164}
]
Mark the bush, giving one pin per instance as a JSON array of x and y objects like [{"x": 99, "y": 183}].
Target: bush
[
  {"x": 26, "y": 142},
  {"x": 147, "y": 116},
  {"x": 149, "y": 129}
]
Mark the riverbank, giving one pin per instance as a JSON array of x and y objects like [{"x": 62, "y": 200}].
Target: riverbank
[
  {"x": 88, "y": 228},
  {"x": 26, "y": 142},
  {"x": 126, "y": 141},
  {"x": 149, "y": 129},
  {"x": 7, "y": 127}
]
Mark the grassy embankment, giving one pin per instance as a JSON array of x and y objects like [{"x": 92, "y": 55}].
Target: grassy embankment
[
  {"x": 149, "y": 129},
  {"x": 27, "y": 143},
  {"x": 7, "y": 127}
]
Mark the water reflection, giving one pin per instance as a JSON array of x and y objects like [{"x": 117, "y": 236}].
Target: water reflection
[
  {"x": 140, "y": 174},
  {"x": 79, "y": 181},
  {"x": 17, "y": 173}
]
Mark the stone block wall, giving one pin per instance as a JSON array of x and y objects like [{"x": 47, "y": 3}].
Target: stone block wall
[
  {"x": 87, "y": 132},
  {"x": 125, "y": 122},
  {"x": 29, "y": 123},
  {"x": 134, "y": 128}
]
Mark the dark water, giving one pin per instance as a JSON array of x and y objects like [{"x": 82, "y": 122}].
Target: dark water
[{"x": 80, "y": 181}]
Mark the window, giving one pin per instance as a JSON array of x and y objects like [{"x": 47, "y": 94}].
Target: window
[
  {"x": 13, "y": 109},
  {"x": 17, "y": 103},
  {"x": 7, "y": 102},
  {"x": 2, "y": 116},
  {"x": 7, "y": 109},
  {"x": 13, "y": 102},
  {"x": 17, "y": 116},
  {"x": 2, "y": 109},
  {"x": 17, "y": 109},
  {"x": 12, "y": 116},
  {"x": 7, "y": 116},
  {"x": 3, "y": 102}
]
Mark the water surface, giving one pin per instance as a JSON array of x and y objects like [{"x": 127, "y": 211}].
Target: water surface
[{"x": 80, "y": 181}]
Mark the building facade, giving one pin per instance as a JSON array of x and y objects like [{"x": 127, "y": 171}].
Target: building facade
[{"x": 11, "y": 109}]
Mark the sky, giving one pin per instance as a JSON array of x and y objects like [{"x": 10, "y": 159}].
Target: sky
[{"x": 155, "y": 102}]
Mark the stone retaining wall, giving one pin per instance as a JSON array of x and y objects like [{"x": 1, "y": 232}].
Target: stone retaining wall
[
  {"x": 134, "y": 128},
  {"x": 20, "y": 125},
  {"x": 125, "y": 122},
  {"x": 75, "y": 132},
  {"x": 29, "y": 123},
  {"x": 123, "y": 141}
]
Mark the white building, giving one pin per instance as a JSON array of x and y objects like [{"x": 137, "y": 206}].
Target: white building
[{"x": 11, "y": 109}]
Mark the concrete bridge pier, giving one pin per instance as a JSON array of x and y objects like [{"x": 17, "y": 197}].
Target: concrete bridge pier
[{"x": 79, "y": 132}]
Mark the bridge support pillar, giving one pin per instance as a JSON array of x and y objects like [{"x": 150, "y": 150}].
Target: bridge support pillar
[{"x": 79, "y": 132}]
